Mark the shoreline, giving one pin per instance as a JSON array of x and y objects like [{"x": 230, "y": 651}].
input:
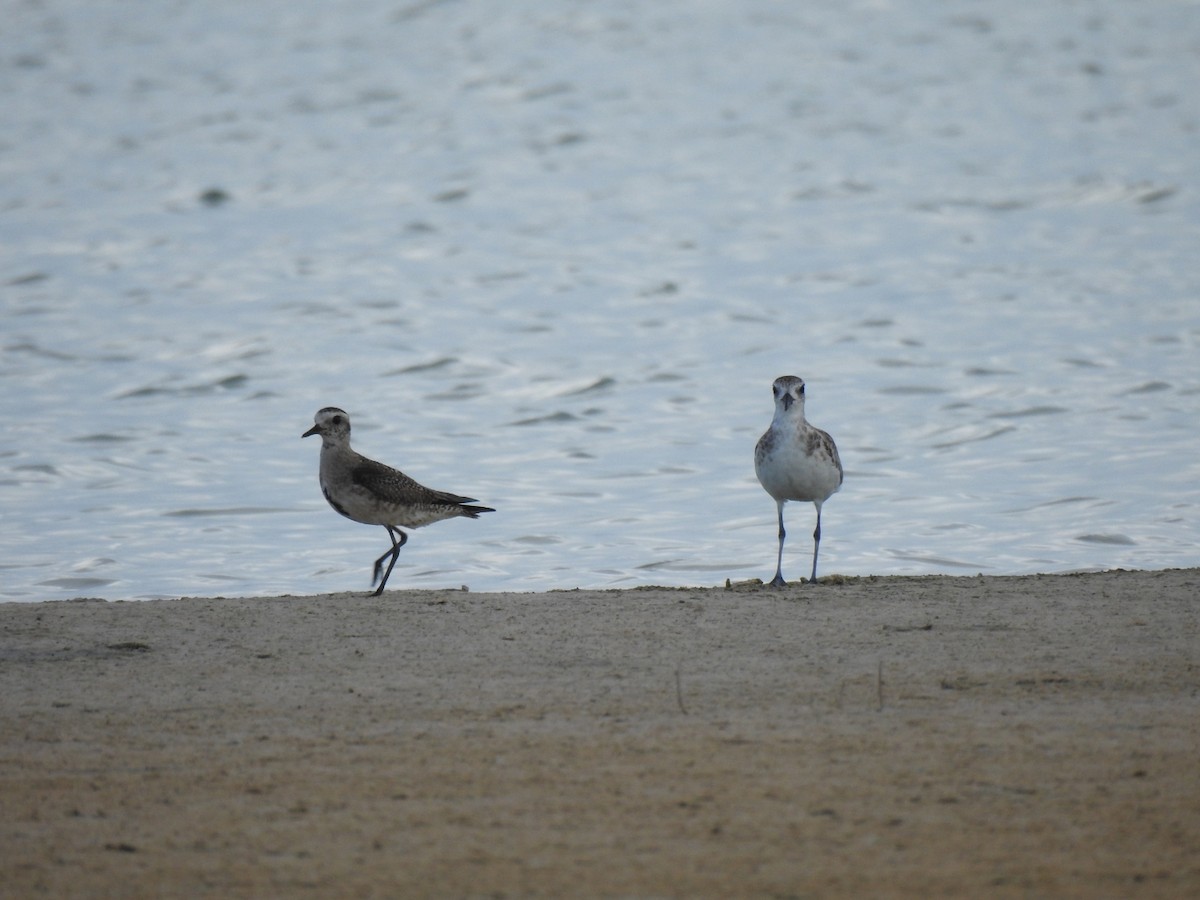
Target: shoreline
[{"x": 895, "y": 735}]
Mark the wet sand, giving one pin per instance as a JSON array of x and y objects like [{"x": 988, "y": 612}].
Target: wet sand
[{"x": 939, "y": 736}]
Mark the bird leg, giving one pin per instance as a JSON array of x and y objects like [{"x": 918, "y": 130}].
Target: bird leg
[
  {"x": 778, "y": 581},
  {"x": 394, "y": 553},
  {"x": 816, "y": 545}
]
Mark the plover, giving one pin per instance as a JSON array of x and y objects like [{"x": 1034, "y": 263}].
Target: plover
[
  {"x": 795, "y": 461},
  {"x": 374, "y": 494}
]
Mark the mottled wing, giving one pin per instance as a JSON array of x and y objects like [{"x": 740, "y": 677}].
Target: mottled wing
[
  {"x": 831, "y": 449},
  {"x": 764, "y": 447},
  {"x": 394, "y": 486},
  {"x": 390, "y": 484}
]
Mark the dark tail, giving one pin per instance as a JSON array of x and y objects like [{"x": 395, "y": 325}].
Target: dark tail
[{"x": 472, "y": 512}]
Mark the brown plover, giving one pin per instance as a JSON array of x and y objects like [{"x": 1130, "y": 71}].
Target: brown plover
[
  {"x": 795, "y": 461},
  {"x": 374, "y": 494}
]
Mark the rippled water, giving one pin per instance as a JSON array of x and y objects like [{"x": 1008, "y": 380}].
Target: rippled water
[{"x": 552, "y": 255}]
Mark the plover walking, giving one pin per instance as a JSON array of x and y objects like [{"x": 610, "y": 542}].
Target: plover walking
[
  {"x": 374, "y": 494},
  {"x": 795, "y": 461}
]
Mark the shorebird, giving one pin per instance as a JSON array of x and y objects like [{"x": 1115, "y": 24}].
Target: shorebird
[
  {"x": 795, "y": 461},
  {"x": 370, "y": 492}
]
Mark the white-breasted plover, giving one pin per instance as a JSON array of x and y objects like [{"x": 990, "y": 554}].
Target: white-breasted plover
[
  {"x": 795, "y": 461},
  {"x": 374, "y": 494}
]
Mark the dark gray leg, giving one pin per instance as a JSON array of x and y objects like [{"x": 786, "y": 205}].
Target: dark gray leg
[
  {"x": 394, "y": 553},
  {"x": 778, "y": 581},
  {"x": 816, "y": 546}
]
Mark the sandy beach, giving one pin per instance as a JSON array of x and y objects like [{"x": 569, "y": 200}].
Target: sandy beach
[{"x": 930, "y": 736}]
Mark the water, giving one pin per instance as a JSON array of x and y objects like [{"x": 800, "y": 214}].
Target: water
[{"x": 552, "y": 255}]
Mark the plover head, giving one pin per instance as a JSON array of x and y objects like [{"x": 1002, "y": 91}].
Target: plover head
[
  {"x": 331, "y": 423},
  {"x": 788, "y": 390}
]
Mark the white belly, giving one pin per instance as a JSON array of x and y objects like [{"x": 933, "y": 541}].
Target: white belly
[{"x": 787, "y": 472}]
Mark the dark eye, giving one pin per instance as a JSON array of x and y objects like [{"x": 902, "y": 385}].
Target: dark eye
[
  {"x": 801, "y": 390},
  {"x": 337, "y": 420}
]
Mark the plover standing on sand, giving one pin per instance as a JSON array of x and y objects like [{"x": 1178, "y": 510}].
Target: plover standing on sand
[
  {"x": 374, "y": 494},
  {"x": 795, "y": 461}
]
